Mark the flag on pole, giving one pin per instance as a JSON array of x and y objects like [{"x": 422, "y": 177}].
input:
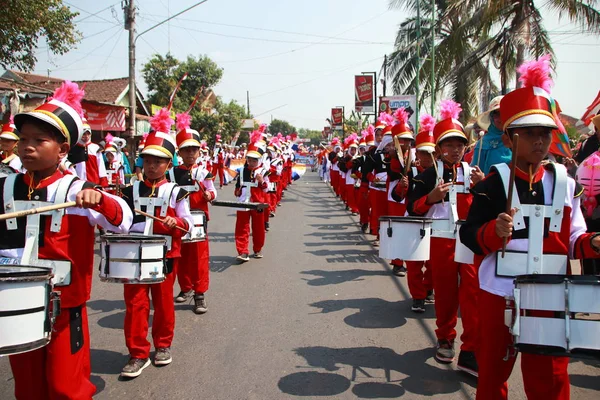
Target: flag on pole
[{"x": 591, "y": 111}]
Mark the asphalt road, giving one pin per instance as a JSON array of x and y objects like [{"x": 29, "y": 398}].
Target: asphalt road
[{"x": 319, "y": 317}]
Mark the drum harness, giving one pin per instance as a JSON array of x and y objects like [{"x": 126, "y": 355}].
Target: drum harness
[
  {"x": 447, "y": 228},
  {"x": 537, "y": 215}
]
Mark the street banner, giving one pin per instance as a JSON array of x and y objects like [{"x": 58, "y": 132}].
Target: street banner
[
  {"x": 154, "y": 109},
  {"x": 395, "y": 102},
  {"x": 364, "y": 99},
  {"x": 104, "y": 117},
  {"x": 326, "y": 132},
  {"x": 337, "y": 117}
]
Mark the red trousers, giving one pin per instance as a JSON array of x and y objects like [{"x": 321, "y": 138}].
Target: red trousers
[
  {"x": 193, "y": 267},
  {"x": 335, "y": 177},
  {"x": 137, "y": 312},
  {"x": 455, "y": 285},
  {"x": 342, "y": 188},
  {"x": 419, "y": 282},
  {"x": 364, "y": 208},
  {"x": 544, "y": 377},
  {"x": 242, "y": 231},
  {"x": 218, "y": 169},
  {"x": 272, "y": 200},
  {"x": 53, "y": 371},
  {"x": 351, "y": 194},
  {"x": 279, "y": 191},
  {"x": 379, "y": 203}
]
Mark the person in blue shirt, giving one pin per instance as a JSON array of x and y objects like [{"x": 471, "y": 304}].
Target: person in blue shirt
[{"x": 490, "y": 149}]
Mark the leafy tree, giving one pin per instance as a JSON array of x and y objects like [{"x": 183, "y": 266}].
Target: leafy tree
[
  {"x": 278, "y": 125},
  {"x": 314, "y": 135},
  {"x": 24, "y": 22}
]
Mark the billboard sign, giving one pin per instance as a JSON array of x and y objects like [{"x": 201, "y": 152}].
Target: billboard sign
[
  {"x": 392, "y": 103},
  {"x": 337, "y": 116},
  {"x": 364, "y": 99}
]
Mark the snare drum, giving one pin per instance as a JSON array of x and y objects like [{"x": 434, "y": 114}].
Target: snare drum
[
  {"x": 198, "y": 232},
  {"x": 26, "y": 316},
  {"x": 557, "y": 315},
  {"x": 462, "y": 254},
  {"x": 133, "y": 259},
  {"x": 406, "y": 238}
]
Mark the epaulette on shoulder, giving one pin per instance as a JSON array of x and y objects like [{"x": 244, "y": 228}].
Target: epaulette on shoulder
[
  {"x": 579, "y": 189},
  {"x": 182, "y": 194}
]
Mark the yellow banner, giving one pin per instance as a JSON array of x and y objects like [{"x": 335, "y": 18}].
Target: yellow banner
[{"x": 154, "y": 109}]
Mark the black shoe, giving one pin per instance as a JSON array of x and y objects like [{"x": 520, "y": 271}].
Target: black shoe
[
  {"x": 364, "y": 228},
  {"x": 468, "y": 363},
  {"x": 267, "y": 226},
  {"x": 418, "y": 306},
  {"x": 163, "y": 356},
  {"x": 271, "y": 215},
  {"x": 242, "y": 258},
  {"x": 200, "y": 306},
  {"x": 445, "y": 351},
  {"x": 347, "y": 208},
  {"x": 134, "y": 367},
  {"x": 182, "y": 297},
  {"x": 430, "y": 299},
  {"x": 399, "y": 270}
]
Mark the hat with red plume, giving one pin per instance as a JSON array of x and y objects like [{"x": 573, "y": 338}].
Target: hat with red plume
[
  {"x": 385, "y": 119},
  {"x": 425, "y": 140},
  {"x": 256, "y": 147},
  {"x": 63, "y": 112},
  {"x": 143, "y": 141},
  {"x": 9, "y": 130},
  {"x": 449, "y": 126},
  {"x": 160, "y": 143},
  {"x": 186, "y": 136},
  {"x": 218, "y": 139},
  {"x": 532, "y": 104},
  {"x": 401, "y": 129},
  {"x": 370, "y": 135}
]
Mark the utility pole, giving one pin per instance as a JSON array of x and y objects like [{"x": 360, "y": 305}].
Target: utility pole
[
  {"x": 248, "y": 101},
  {"x": 384, "y": 74},
  {"x": 418, "y": 58},
  {"x": 432, "y": 52},
  {"x": 129, "y": 9}
]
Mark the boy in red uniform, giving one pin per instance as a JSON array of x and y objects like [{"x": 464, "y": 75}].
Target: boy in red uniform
[
  {"x": 8, "y": 145},
  {"x": 545, "y": 224},
  {"x": 420, "y": 283},
  {"x": 89, "y": 166},
  {"x": 442, "y": 193},
  {"x": 251, "y": 187},
  {"x": 218, "y": 162},
  {"x": 62, "y": 368},
  {"x": 193, "y": 268},
  {"x": 157, "y": 196}
]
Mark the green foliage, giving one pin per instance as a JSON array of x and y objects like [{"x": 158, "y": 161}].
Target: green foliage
[
  {"x": 314, "y": 135},
  {"x": 284, "y": 127},
  {"x": 161, "y": 74},
  {"x": 24, "y": 22}
]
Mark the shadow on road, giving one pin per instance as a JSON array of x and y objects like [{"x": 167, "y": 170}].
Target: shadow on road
[
  {"x": 98, "y": 382},
  {"x": 341, "y": 243},
  {"x": 419, "y": 377},
  {"x": 221, "y": 263},
  {"x": 333, "y": 227},
  {"x": 336, "y": 277},
  {"x": 106, "y": 305},
  {"x": 347, "y": 256},
  {"x": 372, "y": 313},
  {"x": 222, "y": 237},
  {"x": 117, "y": 321},
  {"x": 585, "y": 381},
  {"x": 108, "y": 362}
]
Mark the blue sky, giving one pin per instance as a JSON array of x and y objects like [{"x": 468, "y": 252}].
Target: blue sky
[{"x": 297, "y": 57}]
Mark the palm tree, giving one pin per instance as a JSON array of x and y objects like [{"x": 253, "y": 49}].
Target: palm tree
[
  {"x": 453, "y": 43},
  {"x": 508, "y": 30}
]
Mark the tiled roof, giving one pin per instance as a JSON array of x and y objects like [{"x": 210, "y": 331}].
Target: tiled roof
[{"x": 8, "y": 84}]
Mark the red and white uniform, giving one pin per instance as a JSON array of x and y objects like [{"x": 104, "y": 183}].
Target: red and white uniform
[
  {"x": 193, "y": 267},
  {"x": 455, "y": 284},
  {"x": 137, "y": 301},
  {"x": 218, "y": 165},
  {"x": 248, "y": 190},
  {"x": 62, "y": 368},
  {"x": 13, "y": 161},
  {"x": 114, "y": 173},
  {"x": 93, "y": 168},
  {"x": 544, "y": 377}
]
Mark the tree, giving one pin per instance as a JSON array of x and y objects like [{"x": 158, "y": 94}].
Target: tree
[
  {"x": 24, "y": 22},
  {"x": 278, "y": 125},
  {"x": 315, "y": 136}
]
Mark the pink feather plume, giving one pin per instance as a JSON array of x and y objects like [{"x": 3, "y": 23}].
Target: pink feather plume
[
  {"x": 427, "y": 122},
  {"x": 288, "y": 138},
  {"x": 371, "y": 129},
  {"x": 11, "y": 120},
  {"x": 386, "y": 118},
  {"x": 184, "y": 120},
  {"x": 218, "y": 137},
  {"x": 280, "y": 136},
  {"x": 449, "y": 109},
  {"x": 262, "y": 128},
  {"x": 70, "y": 94},
  {"x": 536, "y": 73},
  {"x": 108, "y": 138},
  {"x": 162, "y": 121},
  {"x": 401, "y": 116},
  {"x": 255, "y": 136},
  {"x": 145, "y": 135}
]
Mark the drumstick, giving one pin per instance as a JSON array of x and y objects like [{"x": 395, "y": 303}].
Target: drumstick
[
  {"x": 158, "y": 219},
  {"x": 511, "y": 182},
  {"x": 38, "y": 210}
]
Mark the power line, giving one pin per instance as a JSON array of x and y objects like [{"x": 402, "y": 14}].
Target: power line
[
  {"x": 109, "y": 54},
  {"x": 91, "y": 14},
  {"x": 88, "y": 54}
]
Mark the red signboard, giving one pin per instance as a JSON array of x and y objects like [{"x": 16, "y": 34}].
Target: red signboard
[
  {"x": 364, "y": 100},
  {"x": 337, "y": 116},
  {"x": 326, "y": 132},
  {"x": 104, "y": 117}
]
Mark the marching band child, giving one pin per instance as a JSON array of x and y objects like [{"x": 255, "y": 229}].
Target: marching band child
[
  {"x": 62, "y": 368},
  {"x": 193, "y": 268},
  {"x": 8, "y": 145},
  {"x": 89, "y": 165},
  {"x": 251, "y": 186},
  {"x": 545, "y": 210},
  {"x": 442, "y": 193},
  {"x": 420, "y": 283},
  {"x": 218, "y": 162},
  {"x": 114, "y": 167},
  {"x": 157, "y": 157}
]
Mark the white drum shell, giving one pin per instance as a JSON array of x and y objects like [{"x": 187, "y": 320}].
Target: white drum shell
[
  {"x": 407, "y": 242},
  {"x": 462, "y": 254},
  {"x": 123, "y": 255},
  {"x": 539, "y": 331},
  {"x": 25, "y": 332},
  {"x": 198, "y": 231}
]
